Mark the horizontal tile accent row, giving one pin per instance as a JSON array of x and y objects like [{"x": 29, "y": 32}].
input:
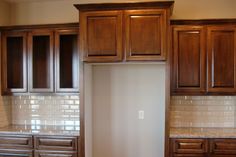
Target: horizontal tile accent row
[{"x": 203, "y": 111}]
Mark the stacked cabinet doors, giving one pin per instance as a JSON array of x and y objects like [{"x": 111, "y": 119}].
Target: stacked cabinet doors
[
  {"x": 112, "y": 33},
  {"x": 203, "y": 59},
  {"x": 40, "y": 61}
]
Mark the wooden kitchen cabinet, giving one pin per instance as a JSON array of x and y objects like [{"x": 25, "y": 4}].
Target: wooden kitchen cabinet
[
  {"x": 66, "y": 61},
  {"x": 203, "y": 57},
  {"x": 202, "y": 147},
  {"x": 124, "y": 31},
  {"x": 61, "y": 146},
  {"x": 40, "y": 44},
  {"x": 16, "y": 153},
  {"x": 12, "y": 145},
  {"x": 14, "y": 62},
  {"x": 189, "y": 60},
  {"x": 146, "y": 33},
  {"x": 40, "y": 59},
  {"x": 54, "y": 154},
  {"x": 189, "y": 146},
  {"x": 16, "y": 145},
  {"x": 101, "y": 36},
  {"x": 223, "y": 146},
  {"x": 221, "y": 47}
]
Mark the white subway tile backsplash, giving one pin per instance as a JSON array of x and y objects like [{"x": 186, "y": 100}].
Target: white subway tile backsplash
[
  {"x": 203, "y": 111},
  {"x": 45, "y": 110}
]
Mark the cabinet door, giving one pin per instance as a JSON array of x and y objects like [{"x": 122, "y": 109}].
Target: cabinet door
[
  {"x": 145, "y": 35},
  {"x": 189, "y": 60},
  {"x": 101, "y": 36},
  {"x": 54, "y": 154},
  {"x": 189, "y": 146},
  {"x": 190, "y": 155},
  {"x": 221, "y": 59},
  {"x": 14, "y": 70},
  {"x": 223, "y": 146},
  {"x": 15, "y": 153},
  {"x": 67, "y": 61},
  {"x": 40, "y": 44}
]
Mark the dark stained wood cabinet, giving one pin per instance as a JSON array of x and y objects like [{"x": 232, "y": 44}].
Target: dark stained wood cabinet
[
  {"x": 203, "y": 57},
  {"x": 189, "y": 60},
  {"x": 66, "y": 61},
  {"x": 14, "y": 62},
  {"x": 40, "y": 44},
  {"x": 101, "y": 36},
  {"x": 16, "y": 145},
  {"x": 221, "y": 46},
  {"x": 189, "y": 146},
  {"x": 12, "y": 145},
  {"x": 16, "y": 153},
  {"x": 124, "y": 31},
  {"x": 197, "y": 147},
  {"x": 54, "y": 154},
  {"x": 51, "y": 146},
  {"x": 145, "y": 34},
  {"x": 40, "y": 59},
  {"x": 223, "y": 146}
]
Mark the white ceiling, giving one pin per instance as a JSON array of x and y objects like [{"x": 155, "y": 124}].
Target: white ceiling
[{"x": 19, "y": 1}]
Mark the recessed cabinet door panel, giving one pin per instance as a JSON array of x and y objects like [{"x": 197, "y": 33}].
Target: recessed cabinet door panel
[
  {"x": 101, "y": 38},
  {"x": 15, "y": 153},
  {"x": 55, "y": 154},
  {"x": 67, "y": 61},
  {"x": 189, "y": 60},
  {"x": 145, "y": 34},
  {"x": 41, "y": 61},
  {"x": 14, "y": 62},
  {"x": 221, "y": 59}
]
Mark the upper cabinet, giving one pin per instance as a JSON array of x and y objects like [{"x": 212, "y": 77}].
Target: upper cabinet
[
  {"x": 14, "y": 62},
  {"x": 203, "y": 58},
  {"x": 124, "y": 31},
  {"x": 67, "y": 60},
  {"x": 40, "y": 60},
  {"x": 40, "y": 50},
  {"x": 221, "y": 47},
  {"x": 145, "y": 34},
  {"x": 101, "y": 36},
  {"x": 189, "y": 60}
]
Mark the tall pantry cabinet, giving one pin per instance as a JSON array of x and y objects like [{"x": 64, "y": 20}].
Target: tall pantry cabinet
[{"x": 123, "y": 32}]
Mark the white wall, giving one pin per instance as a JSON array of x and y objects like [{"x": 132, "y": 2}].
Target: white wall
[
  {"x": 5, "y": 102},
  {"x": 118, "y": 93},
  {"x": 203, "y": 9},
  {"x": 63, "y": 11},
  {"x": 4, "y": 13}
]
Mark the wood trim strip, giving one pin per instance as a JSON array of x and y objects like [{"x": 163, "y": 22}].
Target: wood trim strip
[
  {"x": 47, "y": 26},
  {"x": 124, "y": 6},
  {"x": 202, "y": 21}
]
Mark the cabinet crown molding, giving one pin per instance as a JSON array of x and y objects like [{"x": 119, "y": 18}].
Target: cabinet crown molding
[{"x": 124, "y": 6}]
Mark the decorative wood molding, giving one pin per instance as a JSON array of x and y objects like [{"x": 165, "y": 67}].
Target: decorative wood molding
[
  {"x": 46, "y": 26},
  {"x": 202, "y": 21},
  {"x": 124, "y": 6}
]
